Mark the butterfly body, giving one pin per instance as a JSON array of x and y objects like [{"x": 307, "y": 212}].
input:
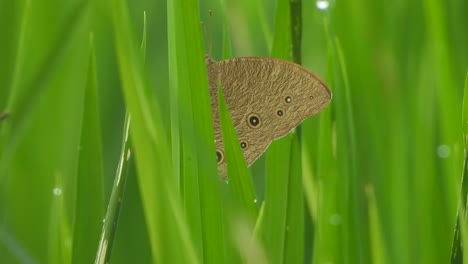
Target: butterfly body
[{"x": 266, "y": 98}]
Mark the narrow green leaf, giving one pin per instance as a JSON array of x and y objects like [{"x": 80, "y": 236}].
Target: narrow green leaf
[
  {"x": 39, "y": 142},
  {"x": 29, "y": 84},
  {"x": 294, "y": 238},
  {"x": 111, "y": 219},
  {"x": 280, "y": 169},
  {"x": 143, "y": 38},
  {"x": 465, "y": 112},
  {"x": 239, "y": 177},
  {"x": 191, "y": 102},
  {"x": 460, "y": 234},
  {"x": 169, "y": 236},
  {"x": 89, "y": 209},
  {"x": 59, "y": 231},
  {"x": 276, "y": 193},
  {"x": 346, "y": 155},
  {"x": 379, "y": 247}
]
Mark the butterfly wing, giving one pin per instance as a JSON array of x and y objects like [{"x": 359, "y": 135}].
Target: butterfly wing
[{"x": 266, "y": 99}]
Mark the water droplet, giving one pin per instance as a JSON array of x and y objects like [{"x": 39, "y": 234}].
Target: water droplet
[
  {"x": 443, "y": 151},
  {"x": 57, "y": 191},
  {"x": 255, "y": 200},
  {"x": 335, "y": 219},
  {"x": 322, "y": 4}
]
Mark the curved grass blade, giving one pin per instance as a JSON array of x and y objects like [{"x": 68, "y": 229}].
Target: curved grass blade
[
  {"x": 168, "y": 233},
  {"x": 111, "y": 219},
  {"x": 113, "y": 209},
  {"x": 26, "y": 93}
]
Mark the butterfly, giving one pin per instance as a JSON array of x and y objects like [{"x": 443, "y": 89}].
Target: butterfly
[{"x": 266, "y": 98}]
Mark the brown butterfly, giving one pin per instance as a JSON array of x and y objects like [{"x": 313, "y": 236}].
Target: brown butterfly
[{"x": 266, "y": 98}]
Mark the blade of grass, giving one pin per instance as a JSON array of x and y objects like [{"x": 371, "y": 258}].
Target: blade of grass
[
  {"x": 170, "y": 239},
  {"x": 324, "y": 188},
  {"x": 25, "y": 94},
  {"x": 458, "y": 245},
  {"x": 273, "y": 226},
  {"x": 238, "y": 194},
  {"x": 111, "y": 219},
  {"x": 379, "y": 253},
  {"x": 356, "y": 245},
  {"x": 448, "y": 128},
  {"x": 239, "y": 176},
  {"x": 89, "y": 209},
  {"x": 198, "y": 171},
  {"x": 182, "y": 123},
  {"x": 294, "y": 237},
  {"x": 59, "y": 226},
  {"x": 284, "y": 191},
  {"x": 37, "y": 98}
]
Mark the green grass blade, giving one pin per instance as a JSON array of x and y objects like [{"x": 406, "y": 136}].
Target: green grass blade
[
  {"x": 448, "y": 99},
  {"x": 159, "y": 189},
  {"x": 89, "y": 210},
  {"x": 465, "y": 112},
  {"x": 26, "y": 91},
  {"x": 109, "y": 228},
  {"x": 283, "y": 194},
  {"x": 181, "y": 112},
  {"x": 458, "y": 247},
  {"x": 355, "y": 236},
  {"x": 238, "y": 195},
  {"x": 278, "y": 158},
  {"x": 378, "y": 245},
  {"x": 40, "y": 139},
  {"x": 59, "y": 229},
  {"x": 111, "y": 219},
  {"x": 143, "y": 38},
  {"x": 294, "y": 237},
  {"x": 198, "y": 171},
  {"x": 239, "y": 177}
]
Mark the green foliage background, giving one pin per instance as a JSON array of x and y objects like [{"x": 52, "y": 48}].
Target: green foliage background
[{"x": 375, "y": 178}]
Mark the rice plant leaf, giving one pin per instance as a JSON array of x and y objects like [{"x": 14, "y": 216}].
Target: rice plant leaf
[
  {"x": 465, "y": 112},
  {"x": 346, "y": 154},
  {"x": 294, "y": 231},
  {"x": 278, "y": 174},
  {"x": 194, "y": 128},
  {"x": 89, "y": 210},
  {"x": 460, "y": 235},
  {"x": 39, "y": 141},
  {"x": 239, "y": 177},
  {"x": 169, "y": 236},
  {"x": 322, "y": 186},
  {"x": 379, "y": 247}
]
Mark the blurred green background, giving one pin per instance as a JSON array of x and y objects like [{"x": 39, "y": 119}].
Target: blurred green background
[{"x": 381, "y": 167}]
